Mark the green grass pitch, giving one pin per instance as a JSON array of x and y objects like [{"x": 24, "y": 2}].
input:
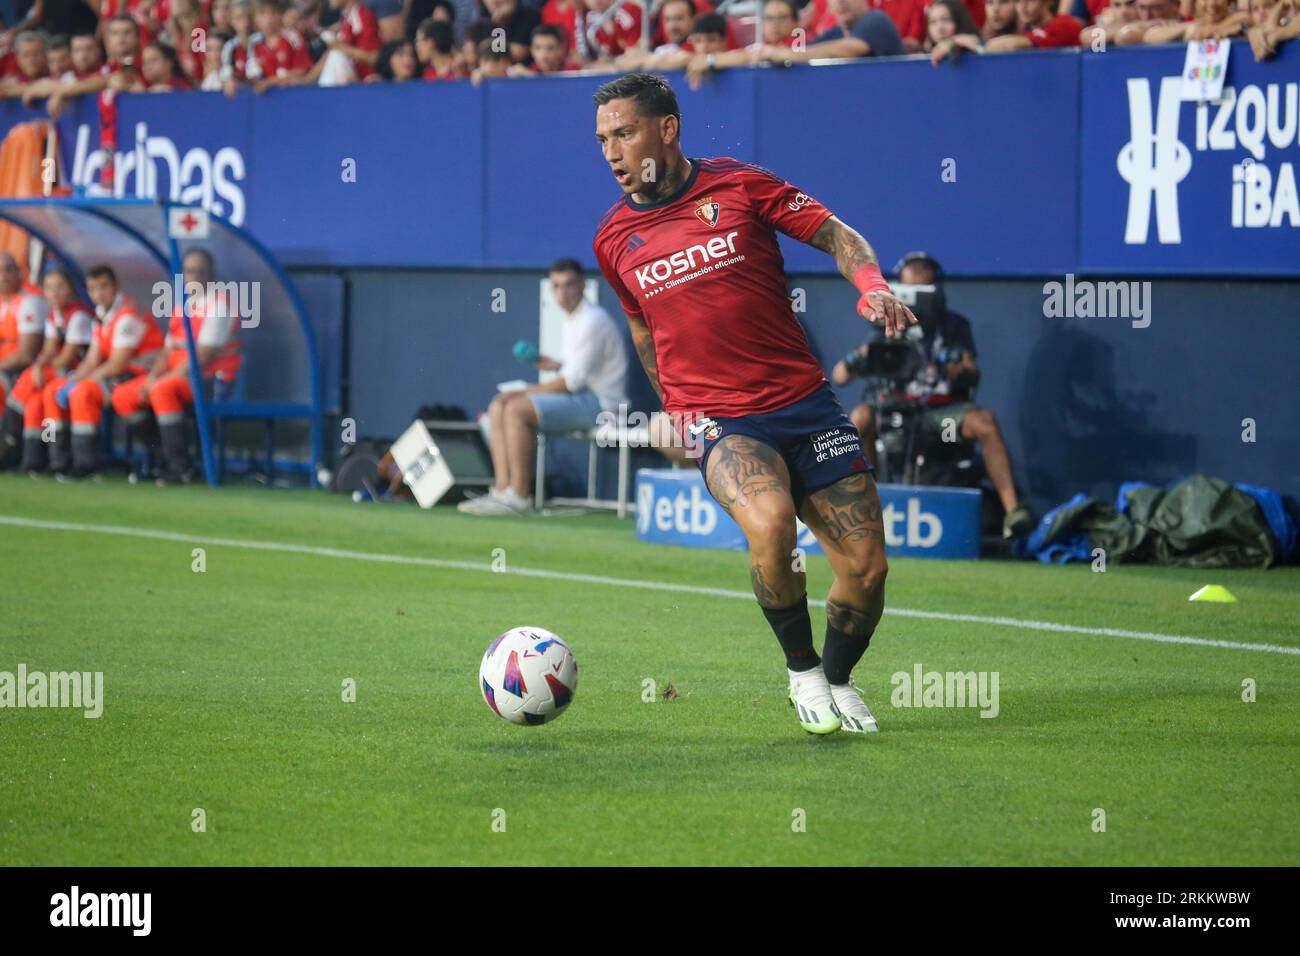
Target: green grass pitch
[{"x": 223, "y": 692}]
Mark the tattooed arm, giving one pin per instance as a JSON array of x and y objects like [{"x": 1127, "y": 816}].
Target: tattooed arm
[
  {"x": 857, "y": 262},
  {"x": 645, "y": 348},
  {"x": 845, "y": 245}
]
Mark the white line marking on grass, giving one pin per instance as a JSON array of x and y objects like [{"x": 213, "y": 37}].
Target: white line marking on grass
[{"x": 625, "y": 583}]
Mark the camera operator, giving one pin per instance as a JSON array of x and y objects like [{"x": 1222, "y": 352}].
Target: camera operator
[{"x": 941, "y": 390}]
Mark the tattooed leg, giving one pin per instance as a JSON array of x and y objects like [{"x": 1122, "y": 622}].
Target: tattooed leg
[
  {"x": 752, "y": 484},
  {"x": 847, "y": 520}
]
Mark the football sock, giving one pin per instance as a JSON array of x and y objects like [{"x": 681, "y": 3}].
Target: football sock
[
  {"x": 842, "y": 653},
  {"x": 793, "y": 629}
]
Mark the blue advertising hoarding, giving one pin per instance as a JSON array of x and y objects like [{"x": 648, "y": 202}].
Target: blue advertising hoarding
[
  {"x": 673, "y": 506},
  {"x": 1175, "y": 187},
  {"x": 1040, "y": 163}
]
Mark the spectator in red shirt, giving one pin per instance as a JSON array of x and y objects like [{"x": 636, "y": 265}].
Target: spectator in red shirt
[
  {"x": 396, "y": 63},
  {"x": 950, "y": 31},
  {"x": 859, "y": 31},
  {"x": 435, "y": 48},
  {"x": 1108, "y": 21},
  {"x": 278, "y": 55},
  {"x": 1150, "y": 13},
  {"x": 1000, "y": 19},
  {"x": 149, "y": 15},
  {"x": 234, "y": 52},
  {"x": 708, "y": 38},
  {"x": 620, "y": 34},
  {"x": 908, "y": 16},
  {"x": 185, "y": 25},
  {"x": 352, "y": 49},
  {"x": 122, "y": 42},
  {"x": 780, "y": 23},
  {"x": 58, "y": 58},
  {"x": 548, "y": 53},
  {"x": 24, "y": 64},
  {"x": 161, "y": 70},
  {"x": 1042, "y": 28},
  {"x": 86, "y": 57},
  {"x": 780, "y": 20},
  {"x": 1215, "y": 19},
  {"x": 676, "y": 17},
  {"x": 564, "y": 14}
]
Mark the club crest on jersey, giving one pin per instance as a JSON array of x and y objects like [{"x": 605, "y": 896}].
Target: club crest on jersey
[{"x": 708, "y": 211}]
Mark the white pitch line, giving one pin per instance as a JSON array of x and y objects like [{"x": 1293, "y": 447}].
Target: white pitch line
[{"x": 626, "y": 583}]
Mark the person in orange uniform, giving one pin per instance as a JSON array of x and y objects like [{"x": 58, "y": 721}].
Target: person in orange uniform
[
  {"x": 126, "y": 345},
  {"x": 213, "y": 323},
  {"x": 69, "y": 329},
  {"x": 22, "y": 325}
]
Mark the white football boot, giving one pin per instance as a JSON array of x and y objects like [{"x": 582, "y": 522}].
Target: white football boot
[
  {"x": 856, "y": 715},
  {"x": 810, "y": 696}
]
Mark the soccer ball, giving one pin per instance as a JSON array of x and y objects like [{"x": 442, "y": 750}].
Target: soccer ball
[{"x": 528, "y": 676}]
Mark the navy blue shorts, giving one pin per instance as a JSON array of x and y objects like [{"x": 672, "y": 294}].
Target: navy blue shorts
[{"x": 814, "y": 436}]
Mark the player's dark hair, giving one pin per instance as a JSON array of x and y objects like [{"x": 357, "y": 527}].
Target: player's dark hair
[
  {"x": 102, "y": 271},
  {"x": 548, "y": 30},
  {"x": 439, "y": 33},
  {"x": 566, "y": 265},
  {"x": 651, "y": 94},
  {"x": 710, "y": 23}
]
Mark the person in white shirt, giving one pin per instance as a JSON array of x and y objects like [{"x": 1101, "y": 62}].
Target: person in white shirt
[{"x": 592, "y": 378}]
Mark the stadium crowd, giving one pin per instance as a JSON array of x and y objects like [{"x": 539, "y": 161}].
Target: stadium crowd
[{"x": 57, "y": 49}]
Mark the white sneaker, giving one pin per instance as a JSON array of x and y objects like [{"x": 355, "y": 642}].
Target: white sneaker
[
  {"x": 492, "y": 503},
  {"x": 810, "y": 696},
  {"x": 516, "y": 502},
  {"x": 856, "y": 715}
]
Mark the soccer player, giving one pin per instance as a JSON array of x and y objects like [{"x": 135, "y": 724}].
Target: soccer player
[{"x": 691, "y": 251}]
